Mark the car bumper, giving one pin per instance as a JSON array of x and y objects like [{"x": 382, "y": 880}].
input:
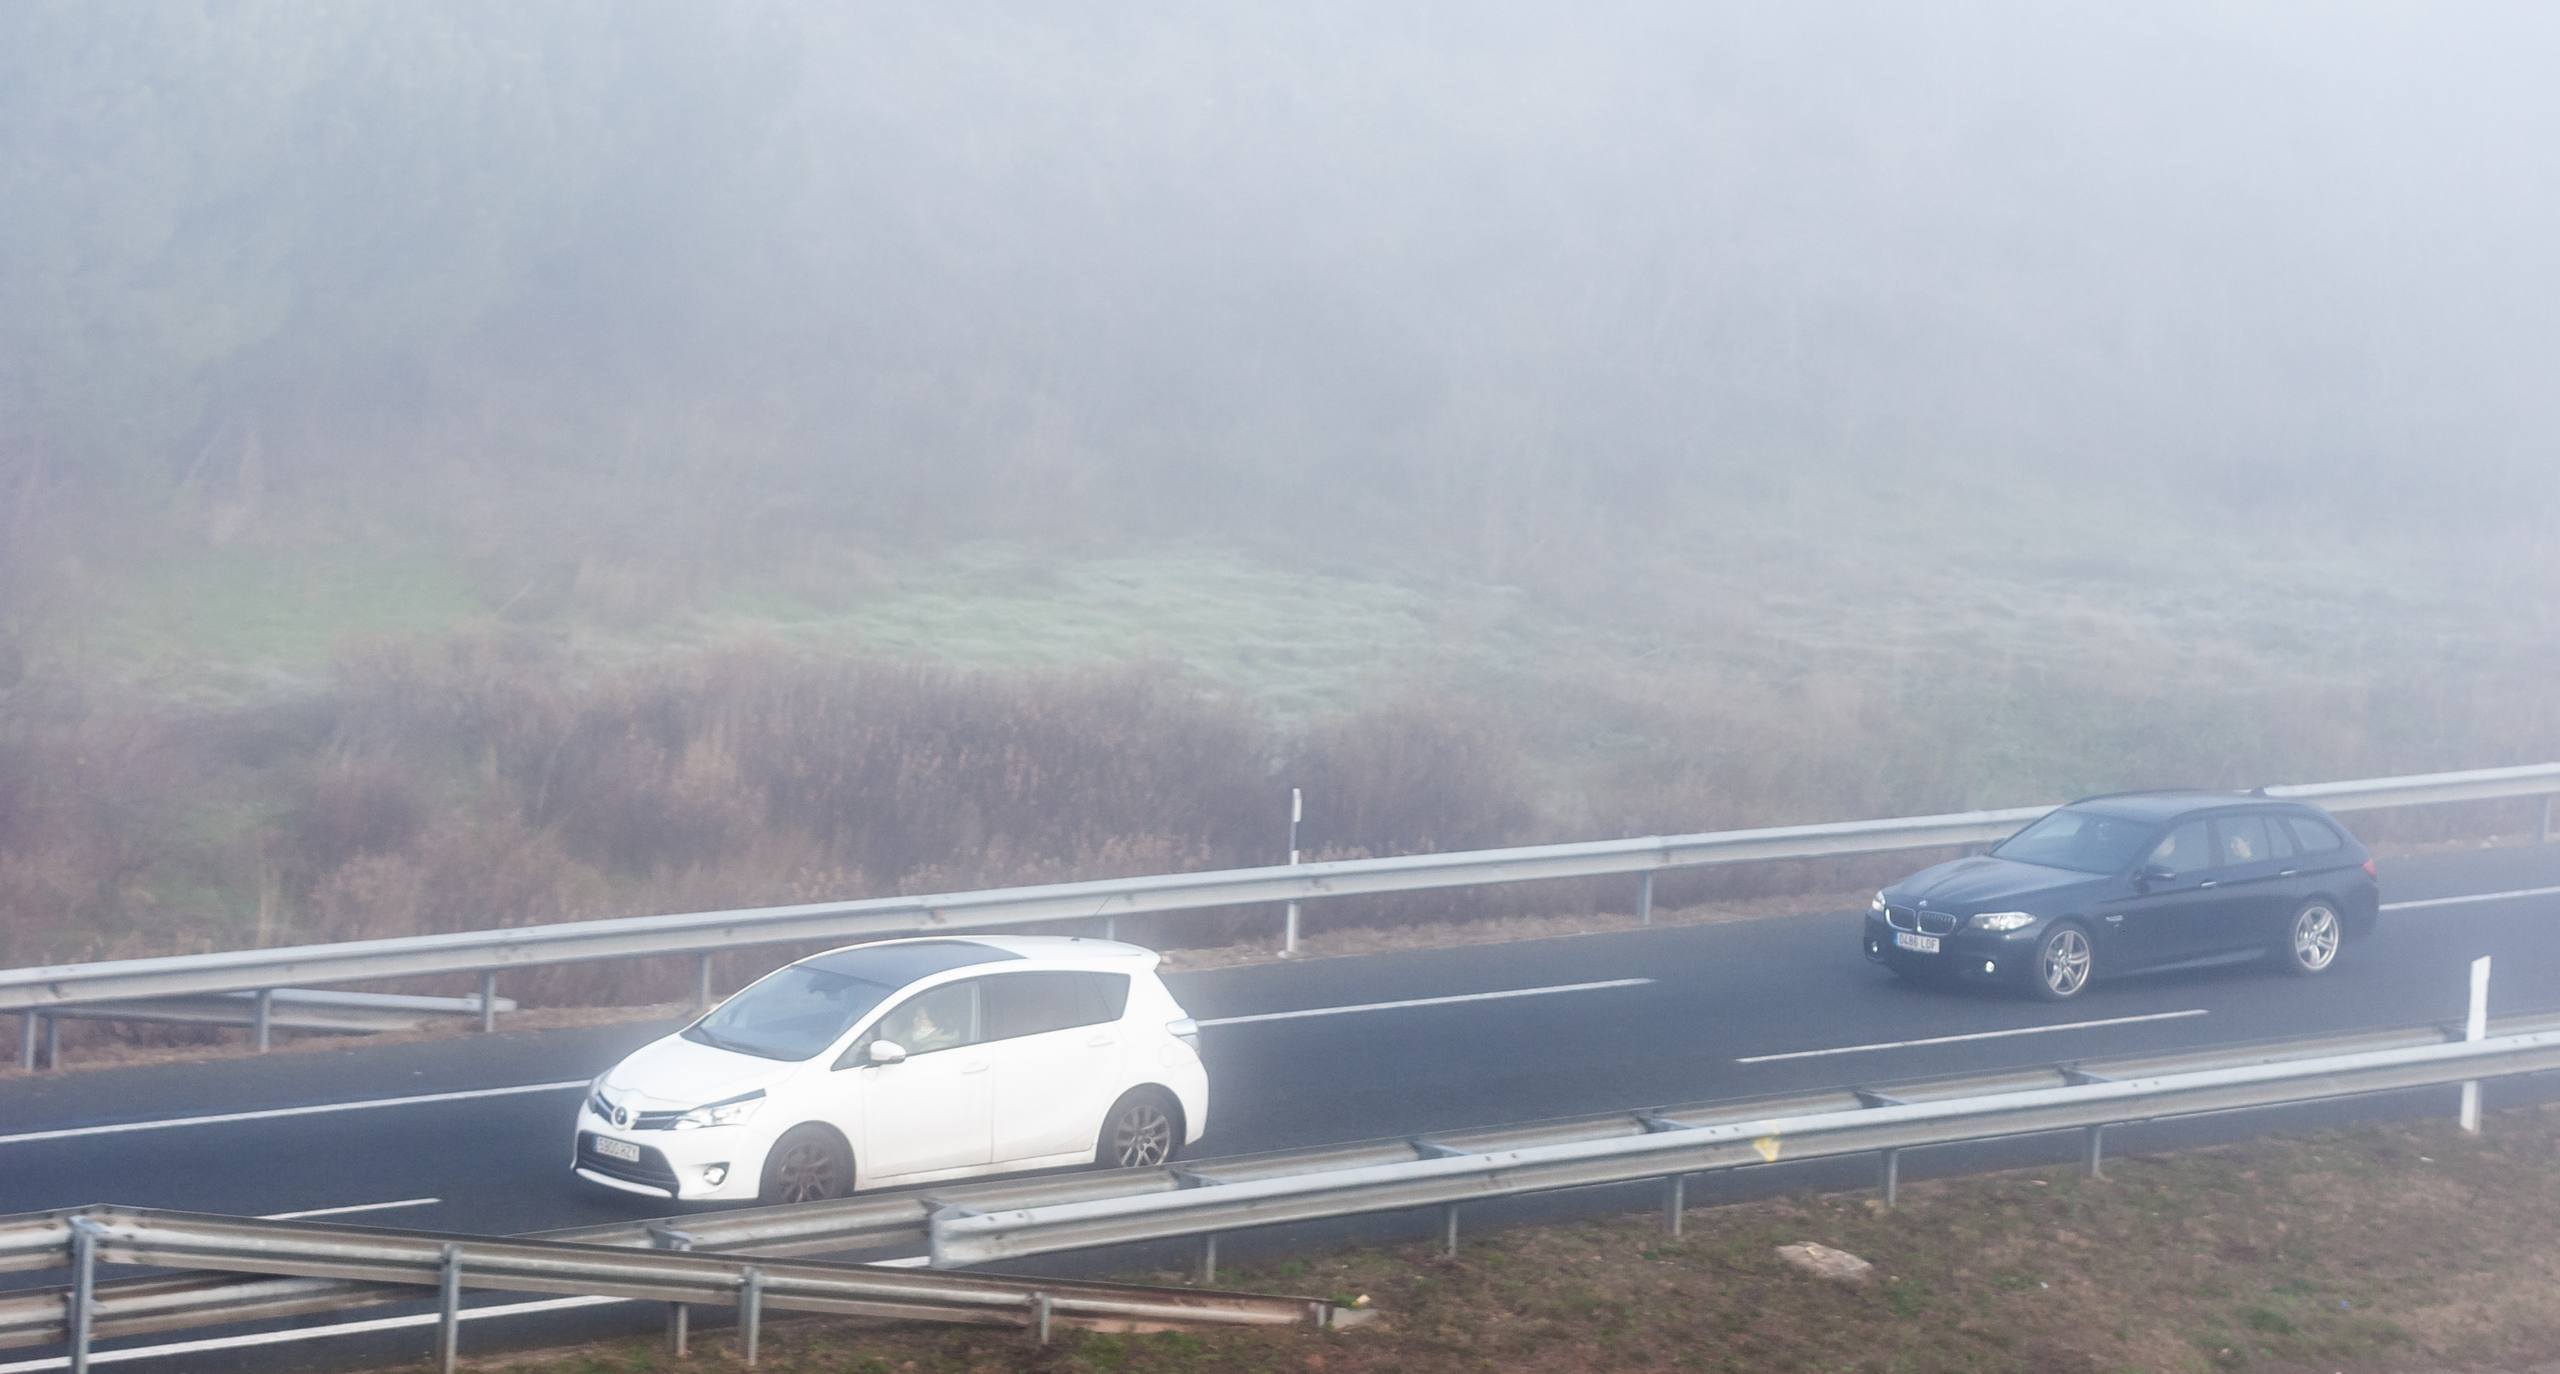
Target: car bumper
[
  {"x": 714, "y": 1164},
  {"x": 1978, "y": 956}
]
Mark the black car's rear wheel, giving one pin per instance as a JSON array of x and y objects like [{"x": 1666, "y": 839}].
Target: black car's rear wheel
[
  {"x": 2064, "y": 961},
  {"x": 2312, "y": 939}
]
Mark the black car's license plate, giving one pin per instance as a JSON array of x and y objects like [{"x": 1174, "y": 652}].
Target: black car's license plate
[{"x": 1917, "y": 944}]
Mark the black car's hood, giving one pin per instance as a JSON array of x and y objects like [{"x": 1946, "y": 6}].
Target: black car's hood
[{"x": 1982, "y": 883}]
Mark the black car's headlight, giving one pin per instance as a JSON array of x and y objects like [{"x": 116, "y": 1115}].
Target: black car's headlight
[
  {"x": 1876, "y": 907},
  {"x": 2004, "y": 920}
]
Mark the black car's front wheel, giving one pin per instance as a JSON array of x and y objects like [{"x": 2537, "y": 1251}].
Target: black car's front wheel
[
  {"x": 2064, "y": 961},
  {"x": 2312, "y": 939}
]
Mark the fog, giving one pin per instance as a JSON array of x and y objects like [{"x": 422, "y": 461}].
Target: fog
[{"x": 942, "y": 266}]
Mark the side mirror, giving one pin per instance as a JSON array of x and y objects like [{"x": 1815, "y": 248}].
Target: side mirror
[
  {"x": 888, "y": 1052},
  {"x": 2153, "y": 873}
]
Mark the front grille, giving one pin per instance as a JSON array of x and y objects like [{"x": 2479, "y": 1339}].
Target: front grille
[
  {"x": 641, "y": 1121},
  {"x": 651, "y": 1171},
  {"x": 1919, "y": 922}
]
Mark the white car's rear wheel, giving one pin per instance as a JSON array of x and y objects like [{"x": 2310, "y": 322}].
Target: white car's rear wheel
[{"x": 1144, "y": 1128}]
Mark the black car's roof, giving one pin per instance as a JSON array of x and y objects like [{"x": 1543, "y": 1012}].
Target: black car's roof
[
  {"x": 896, "y": 963},
  {"x": 2170, "y": 804}
]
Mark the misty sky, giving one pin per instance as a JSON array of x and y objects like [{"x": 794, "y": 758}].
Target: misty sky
[{"x": 1587, "y": 246}]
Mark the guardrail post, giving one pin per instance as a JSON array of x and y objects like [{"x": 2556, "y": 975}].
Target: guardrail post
[
  {"x": 1209, "y": 1259},
  {"x": 52, "y": 1042},
  {"x": 449, "y": 1310},
  {"x": 1040, "y": 1317},
  {"x": 750, "y": 1313},
  {"x": 27, "y": 1040},
  {"x": 1644, "y": 901},
  {"x": 1892, "y": 1175},
  {"x": 488, "y": 1001},
  {"x": 1449, "y": 1231},
  {"x": 1289, "y": 933},
  {"x": 83, "y": 1301},
  {"x": 2093, "y": 1153},
  {"x": 1675, "y": 1200},
  {"x": 2475, "y": 1027},
  {"x": 2546, "y": 819},
  {"x": 679, "y": 1315},
  {"x": 266, "y": 1017},
  {"x": 702, "y": 983}
]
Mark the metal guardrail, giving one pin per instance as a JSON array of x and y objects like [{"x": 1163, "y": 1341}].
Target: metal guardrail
[
  {"x": 1674, "y": 1149},
  {"x": 903, "y": 1219},
  {"x": 35, "y": 992},
  {"x": 682, "y": 1274}
]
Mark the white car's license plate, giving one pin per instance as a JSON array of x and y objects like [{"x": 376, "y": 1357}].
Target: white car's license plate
[
  {"x": 1917, "y": 944},
  {"x": 629, "y": 1153}
]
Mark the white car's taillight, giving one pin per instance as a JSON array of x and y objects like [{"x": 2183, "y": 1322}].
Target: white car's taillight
[{"x": 1187, "y": 1031}]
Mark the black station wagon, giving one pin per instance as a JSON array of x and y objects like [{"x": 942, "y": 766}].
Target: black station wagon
[{"x": 2134, "y": 881}]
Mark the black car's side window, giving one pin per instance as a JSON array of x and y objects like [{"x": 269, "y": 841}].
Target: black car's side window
[
  {"x": 2187, "y": 849},
  {"x": 2314, "y": 837},
  {"x": 2280, "y": 836},
  {"x": 2242, "y": 840}
]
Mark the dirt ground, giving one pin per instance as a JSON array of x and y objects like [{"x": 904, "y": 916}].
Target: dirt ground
[{"x": 2383, "y": 1250}]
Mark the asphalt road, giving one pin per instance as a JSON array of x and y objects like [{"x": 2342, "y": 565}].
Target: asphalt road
[{"x": 1686, "y": 1014}]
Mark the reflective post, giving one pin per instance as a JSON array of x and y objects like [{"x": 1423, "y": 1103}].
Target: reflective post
[
  {"x": 702, "y": 983},
  {"x": 488, "y": 1001},
  {"x": 1297, "y": 812},
  {"x": 2093, "y": 1153},
  {"x": 27, "y": 1040},
  {"x": 449, "y": 1313},
  {"x": 84, "y": 1291},
  {"x": 2475, "y": 1027},
  {"x": 1675, "y": 1199},
  {"x": 1892, "y": 1175},
  {"x": 266, "y": 1015},
  {"x": 1644, "y": 901}
]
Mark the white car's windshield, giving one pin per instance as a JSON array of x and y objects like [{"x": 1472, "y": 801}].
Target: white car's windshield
[
  {"x": 2084, "y": 841},
  {"x": 794, "y": 1014}
]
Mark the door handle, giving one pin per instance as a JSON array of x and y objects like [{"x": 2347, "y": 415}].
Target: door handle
[
  {"x": 974, "y": 1066},
  {"x": 2209, "y": 882},
  {"x": 1102, "y": 1041},
  {"x": 2288, "y": 873}
]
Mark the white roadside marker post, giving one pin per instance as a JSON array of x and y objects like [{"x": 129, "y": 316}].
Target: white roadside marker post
[{"x": 2476, "y": 1028}]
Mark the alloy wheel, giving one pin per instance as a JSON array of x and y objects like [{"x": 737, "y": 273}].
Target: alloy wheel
[
  {"x": 2315, "y": 937},
  {"x": 2066, "y": 962},
  {"x": 1141, "y": 1135}
]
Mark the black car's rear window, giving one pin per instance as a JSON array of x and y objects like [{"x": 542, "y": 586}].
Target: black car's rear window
[
  {"x": 2314, "y": 836},
  {"x": 2082, "y": 841}
]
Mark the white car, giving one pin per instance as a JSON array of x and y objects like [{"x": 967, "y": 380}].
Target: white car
[{"x": 905, "y": 1061}]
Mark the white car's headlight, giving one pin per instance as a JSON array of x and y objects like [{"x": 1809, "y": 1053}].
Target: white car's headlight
[
  {"x": 727, "y": 1112},
  {"x": 2004, "y": 920},
  {"x": 1876, "y": 907}
]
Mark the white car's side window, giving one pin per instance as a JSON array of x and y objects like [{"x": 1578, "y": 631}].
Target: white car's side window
[{"x": 942, "y": 1018}]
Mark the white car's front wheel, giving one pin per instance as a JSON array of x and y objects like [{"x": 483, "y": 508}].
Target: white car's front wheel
[{"x": 808, "y": 1164}]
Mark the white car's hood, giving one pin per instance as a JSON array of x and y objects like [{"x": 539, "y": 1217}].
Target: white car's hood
[{"x": 676, "y": 1074}]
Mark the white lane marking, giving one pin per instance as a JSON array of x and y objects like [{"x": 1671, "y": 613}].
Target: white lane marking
[
  {"x": 1977, "y": 1035},
  {"x": 350, "y": 1211},
  {"x": 272, "y": 1113},
  {"x": 1426, "y": 1002},
  {"x": 2478, "y": 897},
  {"x": 354, "y": 1328}
]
